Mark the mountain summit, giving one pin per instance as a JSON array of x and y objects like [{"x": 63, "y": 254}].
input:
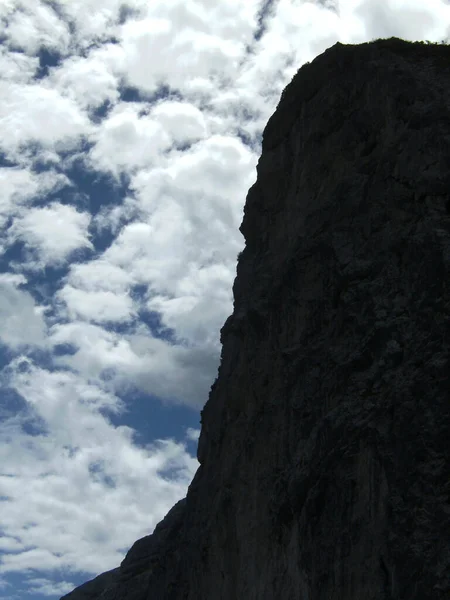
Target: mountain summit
[{"x": 324, "y": 450}]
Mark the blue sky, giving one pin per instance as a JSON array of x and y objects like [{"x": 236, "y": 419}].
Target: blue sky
[{"x": 130, "y": 136}]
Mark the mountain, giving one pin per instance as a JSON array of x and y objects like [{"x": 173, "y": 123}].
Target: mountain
[{"x": 324, "y": 450}]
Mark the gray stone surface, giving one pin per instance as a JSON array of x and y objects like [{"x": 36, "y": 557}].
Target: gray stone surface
[{"x": 324, "y": 450}]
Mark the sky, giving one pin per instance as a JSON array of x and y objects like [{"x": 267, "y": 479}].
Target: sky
[{"x": 130, "y": 133}]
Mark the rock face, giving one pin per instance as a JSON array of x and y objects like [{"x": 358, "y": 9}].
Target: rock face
[{"x": 325, "y": 443}]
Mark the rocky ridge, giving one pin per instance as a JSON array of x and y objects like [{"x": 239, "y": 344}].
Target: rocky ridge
[{"x": 324, "y": 450}]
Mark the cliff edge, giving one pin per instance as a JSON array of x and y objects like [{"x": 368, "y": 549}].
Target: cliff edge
[{"x": 324, "y": 450}]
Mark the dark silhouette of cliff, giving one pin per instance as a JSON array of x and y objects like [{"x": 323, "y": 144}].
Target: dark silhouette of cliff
[{"x": 324, "y": 451}]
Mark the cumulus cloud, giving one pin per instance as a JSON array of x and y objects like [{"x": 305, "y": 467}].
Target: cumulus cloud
[
  {"x": 96, "y": 349},
  {"x": 17, "y": 67},
  {"x": 405, "y": 19},
  {"x": 100, "y": 275},
  {"x": 34, "y": 114},
  {"x": 32, "y": 25},
  {"x": 100, "y": 306},
  {"x": 52, "y": 232},
  {"x": 192, "y": 434},
  {"x": 47, "y": 587},
  {"x": 20, "y": 187},
  {"x": 195, "y": 38},
  {"x": 22, "y": 320},
  {"x": 121, "y": 134},
  {"x": 184, "y": 122},
  {"x": 180, "y": 373},
  {"x": 80, "y": 476},
  {"x": 193, "y": 369},
  {"x": 88, "y": 81}
]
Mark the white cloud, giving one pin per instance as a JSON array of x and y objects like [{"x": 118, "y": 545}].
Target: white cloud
[
  {"x": 100, "y": 275},
  {"x": 103, "y": 18},
  {"x": 411, "y": 20},
  {"x": 201, "y": 304},
  {"x": 34, "y": 25},
  {"x": 182, "y": 121},
  {"x": 52, "y": 232},
  {"x": 113, "y": 217},
  {"x": 193, "y": 209},
  {"x": 22, "y": 321},
  {"x": 153, "y": 252},
  {"x": 86, "y": 80},
  {"x": 100, "y": 306},
  {"x": 177, "y": 373},
  {"x": 36, "y": 114},
  {"x": 126, "y": 140},
  {"x": 17, "y": 67},
  {"x": 80, "y": 477},
  {"x": 98, "y": 291},
  {"x": 192, "y": 434},
  {"x": 9, "y": 544},
  {"x": 19, "y": 187},
  {"x": 180, "y": 374},
  {"x": 206, "y": 170},
  {"x": 155, "y": 53},
  {"x": 47, "y": 587},
  {"x": 98, "y": 350}
]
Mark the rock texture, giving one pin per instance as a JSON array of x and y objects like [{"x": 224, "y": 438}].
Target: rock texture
[{"x": 325, "y": 442}]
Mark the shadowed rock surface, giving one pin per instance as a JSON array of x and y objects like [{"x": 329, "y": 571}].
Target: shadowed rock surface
[{"x": 324, "y": 450}]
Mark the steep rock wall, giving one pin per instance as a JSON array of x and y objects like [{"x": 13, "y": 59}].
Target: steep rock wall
[{"x": 324, "y": 450}]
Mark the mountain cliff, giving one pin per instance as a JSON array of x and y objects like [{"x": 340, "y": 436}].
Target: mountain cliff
[{"x": 324, "y": 450}]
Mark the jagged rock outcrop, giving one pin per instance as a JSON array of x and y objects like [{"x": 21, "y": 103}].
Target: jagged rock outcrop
[{"x": 324, "y": 450}]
